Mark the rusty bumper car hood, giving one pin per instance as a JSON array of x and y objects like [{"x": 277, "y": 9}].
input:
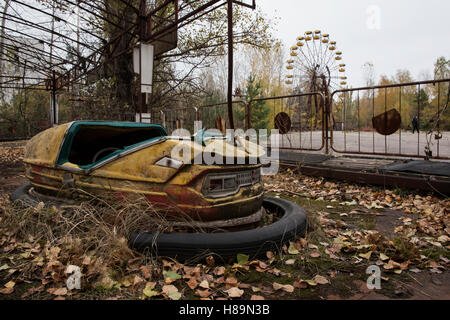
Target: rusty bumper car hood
[{"x": 58, "y": 147}]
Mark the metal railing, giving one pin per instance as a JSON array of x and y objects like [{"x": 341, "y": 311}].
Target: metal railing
[
  {"x": 308, "y": 130},
  {"x": 353, "y": 109},
  {"x": 340, "y": 123}
]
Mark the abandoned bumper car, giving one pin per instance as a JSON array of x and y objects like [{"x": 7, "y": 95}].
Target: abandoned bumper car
[{"x": 125, "y": 159}]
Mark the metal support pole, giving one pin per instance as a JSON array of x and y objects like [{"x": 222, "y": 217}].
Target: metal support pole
[
  {"x": 230, "y": 64},
  {"x": 142, "y": 33},
  {"x": 163, "y": 118},
  {"x": 248, "y": 110},
  {"x": 327, "y": 109},
  {"x": 77, "y": 71},
  {"x": 54, "y": 103}
]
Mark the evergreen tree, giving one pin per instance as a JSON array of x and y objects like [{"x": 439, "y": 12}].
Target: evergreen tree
[{"x": 259, "y": 111}]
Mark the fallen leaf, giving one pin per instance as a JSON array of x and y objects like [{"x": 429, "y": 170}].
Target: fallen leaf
[
  {"x": 434, "y": 264},
  {"x": 127, "y": 281},
  {"x": 137, "y": 280},
  {"x": 32, "y": 290},
  {"x": 286, "y": 287},
  {"x": 25, "y": 255},
  {"x": 174, "y": 295},
  {"x": 256, "y": 297},
  {"x": 4, "y": 267},
  {"x": 148, "y": 291},
  {"x": 146, "y": 272},
  {"x": 310, "y": 282},
  {"x": 263, "y": 265},
  {"x": 204, "y": 284},
  {"x": 366, "y": 255},
  {"x": 10, "y": 284},
  {"x": 234, "y": 292},
  {"x": 383, "y": 257},
  {"x": 300, "y": 285},
  {"x": 7, "y": 290},
  {"x": 219, "y": 271},
  {"x": 107, "y": 282},
  {"x": 87, "y": 260},
  {"x": 210, "y": 261},
  {"x": 292, "y": 249},
  {"x": 172, "y": 292},
  {"x": 168, "y": 288},
  {"x": 290, "y": 261},
  {"x": 231, "y": 282},
  {"x": 170, "y": 276},
  {"x": 255, "y": 289},
  {"x": 58, "y": 291},
  {"x": 203, "y": 293},
  {"x": 321, "y": 280},
  {"x": 242, "y": 259},
  {"x": 192, "y": 283}
]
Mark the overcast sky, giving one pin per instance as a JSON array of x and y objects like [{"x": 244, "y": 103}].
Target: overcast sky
[{"x": 406, "y": 34}]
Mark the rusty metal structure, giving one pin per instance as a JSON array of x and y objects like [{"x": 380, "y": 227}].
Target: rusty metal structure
[
  {"x": 384, "y": 137},
  {"x": 57, "y": 46},
  {"x": 388, "y": 144}
]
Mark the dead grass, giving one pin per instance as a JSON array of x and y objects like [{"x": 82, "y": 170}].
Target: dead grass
[{"x": 96, "y": 227}]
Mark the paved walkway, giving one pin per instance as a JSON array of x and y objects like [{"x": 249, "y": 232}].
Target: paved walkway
[{"x": 404, "y": 143}]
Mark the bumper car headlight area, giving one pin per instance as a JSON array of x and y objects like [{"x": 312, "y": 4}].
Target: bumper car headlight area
[{"x": 226, "y": 184}]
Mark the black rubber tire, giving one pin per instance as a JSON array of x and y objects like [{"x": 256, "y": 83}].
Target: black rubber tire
[
  {"x": 253, "y": 242},
  {"x": 22, "y": 195}
]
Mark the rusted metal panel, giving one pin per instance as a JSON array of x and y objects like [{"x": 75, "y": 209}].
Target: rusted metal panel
[
  {"x": 283, "y": 122},
  {"x": 388, "y": 122},
  {"x": 43, "y": 148},
  {"x": 416, "y": 182}
]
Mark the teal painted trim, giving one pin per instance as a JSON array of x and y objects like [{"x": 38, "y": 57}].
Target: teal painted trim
[
  {"x": 75, "y": 127},
  {"x": 200, "y": 136}
]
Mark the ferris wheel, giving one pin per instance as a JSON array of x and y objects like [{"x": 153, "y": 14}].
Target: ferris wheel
[{"x": 315, "y": 64}]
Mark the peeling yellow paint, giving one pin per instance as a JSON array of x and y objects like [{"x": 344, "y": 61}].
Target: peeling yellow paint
[
  {"x": 136, "y": 173},
  {"x": 43, "y": 148}
]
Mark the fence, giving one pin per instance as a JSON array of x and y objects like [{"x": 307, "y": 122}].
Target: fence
[
  {"x": 307, "y": 129},
  {"x": 395, "y": 105},
  {"x": 368, "y": 120},
  {"x": 351, "y": 121}
]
